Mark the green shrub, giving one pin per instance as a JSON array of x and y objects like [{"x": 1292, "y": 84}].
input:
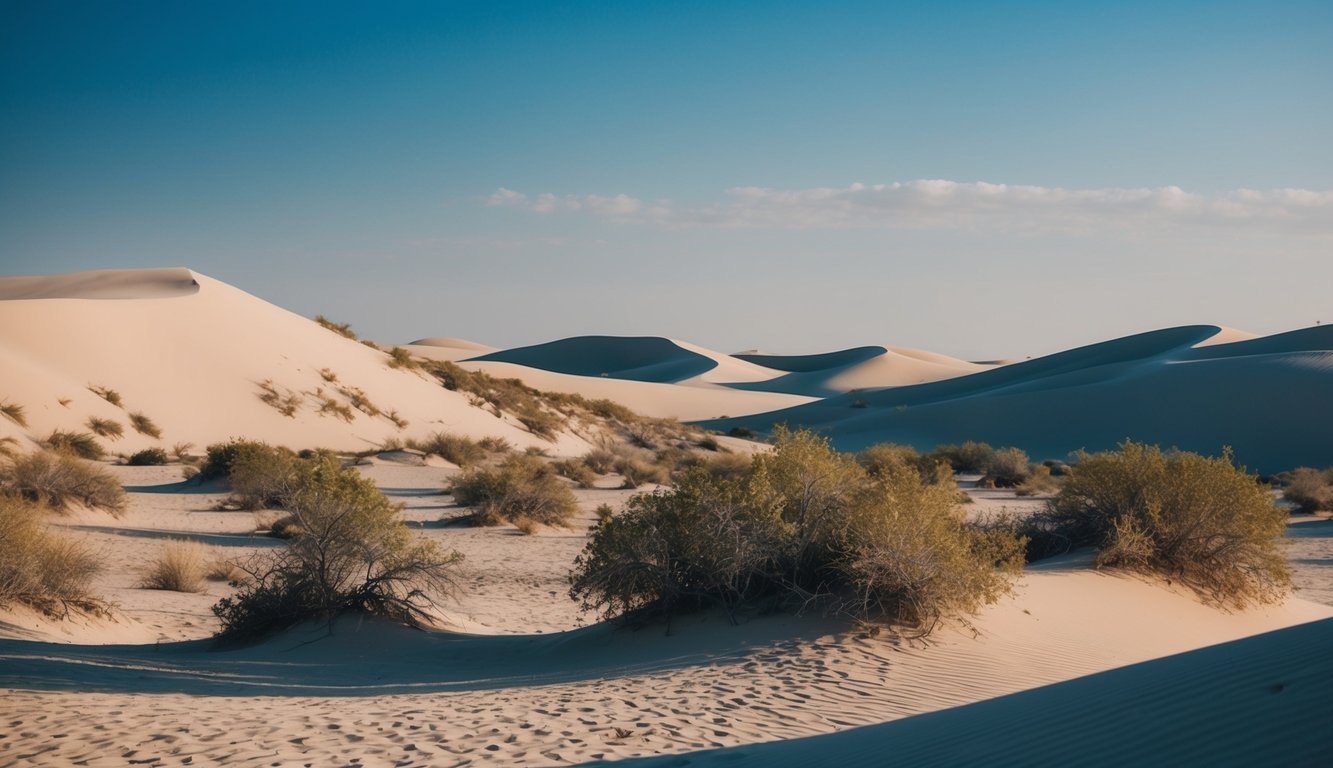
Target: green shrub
[
  {"x": 458, "y": 449},
  {"x": 1198, "y": 520},
  {"x": 14, "y": 412},
  {"x": 58, "y": 480},
  {"x": 521, "y": 486},
  {"x": 40, "y": 568},
  {"x": 351, "y": 552},
  {"x": 1311, "y": 490},
  {"x": 887, "y": 458},
  {"x": 258, "y": 474},
  {"x": 148, "y": 457},
  {"x": 803, "y": 525},
  {"x": 80, "y": 444},
  {"x": 145, "y": 426},
  {"x": 180, "y": 567}
]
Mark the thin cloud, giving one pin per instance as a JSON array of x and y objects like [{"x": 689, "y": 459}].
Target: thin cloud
[{"x": 939, "y": 204}]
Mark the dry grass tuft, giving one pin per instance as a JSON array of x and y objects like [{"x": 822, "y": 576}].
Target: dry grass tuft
[
  {"x": 14, "y": 412},
  {"x": 145, "y": 426},
  {"x": 287, "y": 404},
  {"x": 58, "y": 480},
  {"x": 179, "y": 568},
  {"x": 107, "y": 394},
  {"x": 80, "y": 444},
  {"x": 40, "y": 568},
  {"x": 105, "y": 428}
]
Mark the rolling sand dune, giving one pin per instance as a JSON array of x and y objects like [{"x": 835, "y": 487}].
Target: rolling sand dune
[
  {"x": 1261, "y": 397},
  {"x": 835, "y": 373},
  {"x": 447, "y": 348},
  {"x": 191, "y": 353},
  {"x": 638, "y": 358}
]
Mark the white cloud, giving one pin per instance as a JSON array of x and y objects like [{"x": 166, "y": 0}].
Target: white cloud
[{"x": 941, "y": 204}]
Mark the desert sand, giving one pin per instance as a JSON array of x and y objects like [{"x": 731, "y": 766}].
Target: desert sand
[{"x": 1136, "y": 669}]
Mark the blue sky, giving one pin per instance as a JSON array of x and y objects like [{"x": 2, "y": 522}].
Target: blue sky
[{"x": 791, "y": 176}]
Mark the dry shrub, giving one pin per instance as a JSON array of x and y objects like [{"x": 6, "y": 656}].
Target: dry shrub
[
  {"x": 80, "y": 444},
  {"x": 969, "y": 457},
  {"x": 401, "y": 358},
  {"x": 728, "y": 464},
  {"x": 803, "y": 525},
  {"x": 40, "y": 568},
  {"x": 495, "y": 444},
  {"x": 1007, "y": 468},
  {"x": 14, "y": 412},
  {"x": 58, "y": 480},
  {"x": 1311, "y": 490},
  {"x": 350, "y": 552},
  {"x": 148, "y": 457},
  {"x": 885, "y": 458},
  {"x": 286, "y": 404},
  {"x": 107, "y": 394},
  {"x": 226, "y": 570},
  {"x": 342, "y": 329},
  {"x": 577, "y": 471},
  {"x": 359, "y": 400},
  {"x": 180, "y": 567},
  {"x": 458, "y": 449},
  {"x": 1038, "y": 482},
  {"x": 600, "y": 460},
  {"x": 521, "y": 486},
  {"x": 105, "y": 428},
  {"x": 331, "y": 407},
  {"x": 145, "y": 426},
  {"x": 398, "y": 421},
  {"x": 1195, "y": 519}
]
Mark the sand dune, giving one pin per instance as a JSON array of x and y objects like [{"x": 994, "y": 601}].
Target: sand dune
[
  {"x": 637, "y": 358},
  {"x": 835, "y": 373},
  {"x": 191, "y": 353},
  {"x": 447, "y": 348},
  {"x": 1263, "y": 397}
]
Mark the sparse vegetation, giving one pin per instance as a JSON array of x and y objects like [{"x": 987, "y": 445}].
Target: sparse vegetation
[
  {"x": 1194, "y": 519},
  {"x": 181, "y": 451},
  {"x": 458, "y": 449},
  {"x": 579, "y": 472},
  {"x": 14, "y": 412},
  {"x": 107, "y": 394},
  {"x": 287, "y": 403},
  {"x": 804, "y": 525},
  {"x": 398, "y": 421},
  {"x": 328, "y": 406},
  {"x": 520, "y": 487},
  {"x": 105, "y": 428},
  {"x": 40, "y": 568},
  {"x": 180, "y": 567},
  {"x": 359, "y": 400},
  {"x": 145, "y": 426},
  {"x": 59, "y": 480},
  {"x": 148, "y": 457},
  {"x": 401, "y": 358},
  {"x": 351, "y": 553},
  {"x": 1039, "y": 482},
  {"x": 80, "y": 444},
  {"x": 328, "y": 375},
  {"x": 342, "y": 329},
  {"x": 495, "y": 444},
  {"x": 1006, "y": 468},
  {"x": 1311, "y": 490}
]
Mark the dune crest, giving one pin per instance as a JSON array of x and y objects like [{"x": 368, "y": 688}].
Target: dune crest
[{"x": 102, "y": 284}]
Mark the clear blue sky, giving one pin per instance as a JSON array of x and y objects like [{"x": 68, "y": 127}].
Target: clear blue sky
[{"x": 384, "y": 164}]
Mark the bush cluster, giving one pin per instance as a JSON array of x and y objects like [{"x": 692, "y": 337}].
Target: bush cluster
[
  {"x": 258, "y": 474},
  {"x": 521, "y": 488},
  {"x": 40, "y": 568},
  {"x": 148, "y": 457},
  {"x": 802, "y": 524},
  {"x": 349, "y": 552},
  {"x": 1311, "y": 490},
  {"x": 59, "y": 480},
  {"x": 458, "y": 449},
  {"x": 1199, "y": 520},
  {"x": 80, "y": 444}
]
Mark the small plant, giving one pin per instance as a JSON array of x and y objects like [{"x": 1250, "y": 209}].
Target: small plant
[
  {"x": 577, "y": 471},
  {"x": 107, "y": 394},
  {"x": 286, "y": 404},
  {"x": 181, "y": 451},
  {"x": 371, "y": 344},
  {"x": 226, "y": 570},
  {"x": 59, "y": 480},
  {"x": 401, "y": 358},
  {"x": 398, "y": 421},
  {"x": 145, "y": 426},
  {"x": 600, "y": 460},
  {"x": 148, "y": 457},
  {"x": 80, "y": 444},
  {"x": 1039, "y": 482},
  {"x": 521, "y": 486},
  {"x": 1006, "y": 468},
  {"x": 458, "y": 449},
  {"x": 258, "y": 474},
  {"x": 328, "y": 376},
  {"x": 8, "y": 446},
  {"x": 105, "y": 428},
  {"x": 709, "y": 443},
  {"x": 180, "y": 567},
  {"x": 40, "y": 568},
  {"x": 604, "y": 512},
  {"x": 636, "y": 472},
  {"x": 14, "y": 412},
  {"x": 359, "y": 400},
  {"x": 331, "y": 407},
  {"x": 342, "y": 329},
  {"x": 744, "y": 433},
  {"x": 495, "y": 444}
]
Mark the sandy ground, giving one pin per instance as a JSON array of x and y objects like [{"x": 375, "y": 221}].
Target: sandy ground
[{"x": 524, "y": 679}]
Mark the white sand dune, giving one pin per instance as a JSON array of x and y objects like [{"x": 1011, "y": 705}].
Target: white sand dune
[
  {"x": 447, "y": 348},
  {"x": 1264, "y": 397},
  {"x": 637, "y": 358},
  {"x": 835, "y": 373},
  {"x": 191, "y": 353}
]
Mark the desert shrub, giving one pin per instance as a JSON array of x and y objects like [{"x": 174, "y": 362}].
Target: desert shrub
[
  {"x": 328, "y": 375},
  {"x": 804, "y": 525},
  {"x": 259, "y": 475},
  {"x": 742, "y": 432},
  {"x": 351, "y": 553},
  {"x": 459, "y": 449},
  {"x": 181, "y": 451},
  {"x": 107, "y": 394},
  {"x": 14, "y": 412},
  {"x": 1038, "y": 482},
  {"x": 1006, "y": 468},
  {"x": 885, "y": 458},
  {"x": 521, "y": 486},
  {"x": 541, "y": 422},
  {"x": 577, "y": 471},
  {"x": 401, "y": 358},
  {"x": 342, "y": 329},
  {"x": 636, "y": 471},
  {"x": 40, "y": 568},
  {"x": 80, "y": 444},
  {"x": 1311, "y": 490},
  {"x": 180, "y": 567},
  {"x": 709, "y": 443},
  {"x": 148, "y": 457},
  {"x": 495, "y": 444},
  {"x": 8, "y": 446},
  {"x": 1198, "y": 520},
  {"x": 328, "y": 406},
  {"x": 58, "y": 480},
  {"x": 600, "y": 460},
  {"x": 728, "y": 464},
  {"x": 105, "y": 428},
  {"x": 359, "y": 400},
  {"x": 145, "y": 426},
  {"x": 969, "y": 457},
  {"x": 286, "y": 404},
  {"x": 398, "y": 421},
  {"x": 225, "y": 570},
  {"x": 604, "y": 511}
]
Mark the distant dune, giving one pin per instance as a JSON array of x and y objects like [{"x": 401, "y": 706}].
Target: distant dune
[
  {"x": 635, "y": 358},
  {"x": 1265, "y": 397},
  {"x": 834, "y": 373}
]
